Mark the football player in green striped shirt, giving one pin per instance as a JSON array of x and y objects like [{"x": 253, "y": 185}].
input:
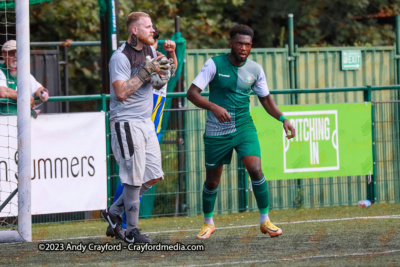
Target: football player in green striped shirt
[{"x": 231, "y": 78}]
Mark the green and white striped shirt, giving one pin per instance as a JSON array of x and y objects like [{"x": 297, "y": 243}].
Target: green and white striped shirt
[{"x": 230, "y": 87}]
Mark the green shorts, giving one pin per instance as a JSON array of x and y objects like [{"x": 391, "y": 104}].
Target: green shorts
[{"x": 218, "y": 149}]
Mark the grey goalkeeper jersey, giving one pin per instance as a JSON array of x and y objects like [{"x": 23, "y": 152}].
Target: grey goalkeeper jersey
[{"x": 124, "y": 64}]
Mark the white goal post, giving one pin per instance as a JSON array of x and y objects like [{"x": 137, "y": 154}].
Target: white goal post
[{"x": 24, "y": 231}]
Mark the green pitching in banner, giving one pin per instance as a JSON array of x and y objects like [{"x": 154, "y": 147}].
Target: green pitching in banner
[{"x": 331, "y": 140}]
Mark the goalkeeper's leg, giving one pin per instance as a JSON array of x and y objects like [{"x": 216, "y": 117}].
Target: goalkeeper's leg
[
  {"x": 153, "y": 168},
  {"x": 118, "y": 193}
]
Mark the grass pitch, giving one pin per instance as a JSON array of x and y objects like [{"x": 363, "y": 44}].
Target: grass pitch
[{"x": 345, "y": 236}]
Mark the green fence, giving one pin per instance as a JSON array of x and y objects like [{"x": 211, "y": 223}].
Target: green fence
[
  {"x": 387, "y": 150},
  {"x": 180, "y": 193},
  {"x": 311, "y": 68},
  {"x": 315, "y": 68},
  {"x": 313, "y": 192}
]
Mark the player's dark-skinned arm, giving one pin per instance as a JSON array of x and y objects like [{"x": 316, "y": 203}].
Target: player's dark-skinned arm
[
  {"x": 269, "y": 105},
  {"x": 193, "y": 95}
]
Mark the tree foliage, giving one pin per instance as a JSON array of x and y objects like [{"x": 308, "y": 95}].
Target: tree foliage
[
  {"x": 202, "y": 22},
  {"x": 59, "y": 20},
  {"x": 206, "y": 24},
  {"x": 320, "y": 23}
]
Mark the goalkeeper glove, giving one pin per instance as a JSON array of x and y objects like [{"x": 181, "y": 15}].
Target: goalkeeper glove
[
  {"x": 159, "y": 80},
  {"x": 156, "y": 65}
]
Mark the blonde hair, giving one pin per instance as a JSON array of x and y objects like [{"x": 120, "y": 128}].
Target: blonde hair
[{"x": 135, "y": 17}]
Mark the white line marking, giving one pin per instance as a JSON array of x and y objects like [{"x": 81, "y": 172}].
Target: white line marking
[
  {"x": 300, "y": 258},
  {"x": 283, "y": 223},
  {"x": 232, "y": 227}
]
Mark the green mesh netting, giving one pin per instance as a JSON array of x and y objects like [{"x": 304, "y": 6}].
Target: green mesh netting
[{"x": 11, "y": 3}]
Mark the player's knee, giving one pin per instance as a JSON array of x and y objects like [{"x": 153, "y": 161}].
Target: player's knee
[
  {"x": 211, "y": 184},
  {"x": 255, "y": 174}
]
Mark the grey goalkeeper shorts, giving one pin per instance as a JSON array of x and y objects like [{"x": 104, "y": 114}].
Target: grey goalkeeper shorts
[{"x": 137, "y": 151}]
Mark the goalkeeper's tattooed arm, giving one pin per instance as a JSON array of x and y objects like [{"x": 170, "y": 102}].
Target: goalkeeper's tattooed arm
[{"x": 124, "y": 89}]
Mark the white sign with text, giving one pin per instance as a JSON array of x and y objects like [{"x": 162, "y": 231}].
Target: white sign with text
[{"x": 69, "y": 168}]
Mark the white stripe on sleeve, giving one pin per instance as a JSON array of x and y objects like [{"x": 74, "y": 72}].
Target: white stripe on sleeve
[
  {"x": 206, "y": 75},
  {"x": 261, "y": 86}
]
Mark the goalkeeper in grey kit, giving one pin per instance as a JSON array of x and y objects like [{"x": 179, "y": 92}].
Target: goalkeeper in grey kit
[{"x": 135, "y": 69}]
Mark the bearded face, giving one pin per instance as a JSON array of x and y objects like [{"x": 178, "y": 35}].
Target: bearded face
[
  {"x": 240, "y": 47},
  {"x": 147, "y": 40},
  {"x": 10, "y": 60},
  {"x": 13, "y": 67},
  {"x": 145, "y": 31}
]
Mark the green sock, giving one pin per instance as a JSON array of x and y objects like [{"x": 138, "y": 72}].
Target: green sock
[
  {"x": 260, "y": 189},
  {"x": 209, "y": 197}
]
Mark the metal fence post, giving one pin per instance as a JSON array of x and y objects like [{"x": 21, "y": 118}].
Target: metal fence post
[
  {"x": 66, "y": 92},
  {"x": 293, "y": 85},
  {"x": 371, "y": 179},
  {"x": 368, "y": 94},
  {"x": 104, "y": 108},
  {"x": 398, "y": 47},
  {"x": 180, "y": 140},
  {"x": 291, "y": 57},
  {"x": 242, "y": 187}
]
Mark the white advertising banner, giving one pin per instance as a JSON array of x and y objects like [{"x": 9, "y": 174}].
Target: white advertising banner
[{"x": 69, "y": 170}]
